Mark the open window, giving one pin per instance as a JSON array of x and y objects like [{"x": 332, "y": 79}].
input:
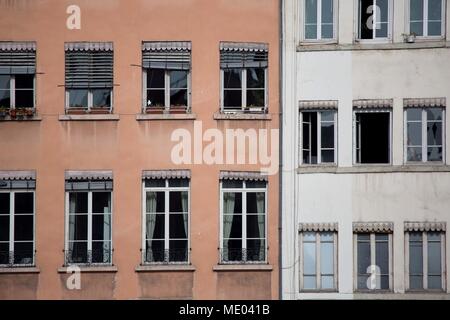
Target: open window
[{"x": 374, "y": 19}]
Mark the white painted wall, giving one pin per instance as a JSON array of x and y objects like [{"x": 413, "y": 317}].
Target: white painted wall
[{"x": 345, "y": 75}]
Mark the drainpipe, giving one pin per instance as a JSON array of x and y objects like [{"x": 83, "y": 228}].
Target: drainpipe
[{"x": 280, "y": 165}]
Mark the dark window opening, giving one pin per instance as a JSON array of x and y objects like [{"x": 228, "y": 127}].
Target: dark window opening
[{"x": 372, "y": 137}]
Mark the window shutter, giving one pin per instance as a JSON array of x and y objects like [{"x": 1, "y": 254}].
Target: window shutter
[
  {"x": 166, "y": 55},
  {"x": 243, "y": 55},
  {"x": 17, "y": 58},
  {"x": 89, "y": 65}
]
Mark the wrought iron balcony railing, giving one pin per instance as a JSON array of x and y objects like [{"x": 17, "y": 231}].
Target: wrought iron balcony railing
[
  {"x": 166, "y": 256},
  {"x": 17, "y": 258},
  {"x": 88, "y": 257},
  {"x": 240, "y": 255}
]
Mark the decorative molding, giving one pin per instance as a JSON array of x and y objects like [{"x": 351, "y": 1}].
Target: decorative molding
[
  {"x": 244, "y": 46},
  {"x": 424, "y": 103},
  {"x": 18, "y": 175},
  {"x": 318, "y": 227},
  {"x": 166, "y": 45},
  {"x": 88, "y": 46},
  {"x": 318, "y": 104},
  {"x": 166, "y": 174},
  {"x": 17, "y": 46},
  {"x": 383, "y": 227},
  {"x": 89, "y": 175},
  {"x": 243, "y": 175},
  {"x": 425, "y": 226},
  {"x": 373, "y": 103}
]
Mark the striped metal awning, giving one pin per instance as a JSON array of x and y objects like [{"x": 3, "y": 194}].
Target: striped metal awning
[
  {"x": 166, "y": 174},
  {"x": 243, "y": 175},
  {"x": 88, "y": 46}
]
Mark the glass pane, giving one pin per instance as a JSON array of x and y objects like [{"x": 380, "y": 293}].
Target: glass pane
[
  {"x": 4, "y": 253},
  {"x": 384, "y": 282},
  {"x": 415, "y": 255},
  {"x": 416, "y": 17},
  {"x": 23, "y": 253},
  {"x": 101, "y": 227},
  {"x": 434, "y": 28},
  {"x": 434, "y": 132},
  {"x": 327, "y": 116},
  {"x": 311, "y": 19},
  {"x": 154, "y": 251},
  {"x": 311, "y": 32},
  {"x": 155, "y": 183},
  {"x": 255, "y": 98},
  {"x": 309, "y": 237},
  {"x": 4, "y": 228},
  {"x": 5, "y": 101},
  {"x": 178, "y": 79},
  {"x": 309, "y": 258},
  {"x": 232, "y": 98},
  {"x": 23, "y": 202},
  {"x": 435, "y": 154},
  {"x": 24, "y": 98},
  {"x": 155, "y": 78},
  {"x": 416, "y": 282},
  {"x": 327, "y": 19},
  {"x": 255, "y": 226},
  {"x": 4, "y": 81},
  {"x": 155, "y": 202},
  {"x": 232, "y": 78},
  {"x": 78, "y": 202},
  {"x": 327, "y": 156},
  {"x": 101, "y": 202},
  {"x": 155, "y": 98},
  {"x": 256, "y": 250},
  {"x": 24, "y": 81},
  {"x": 101, "y": 251},
  {"x": 309, "y": 282},
  {"x": 414, "y": 154},
  {"x": 77, "y": 252},
  {"x": 232, "y": 250},
  {"x": 178, "y": 97},
  {"x": 78, "y": 98},
  {"x": 178, "y": 226},
  {"x": 4, "y": 202},
  {"x": 232, "y": 202},
  {"x": 178, "y": 183},
  {"x": 154, "y": 226},
  {"x": 101, "y": 98},
  {"x": 23, "y": 228},
  {"x": 327, "y": 258},
  {"x": 256, "y": 202},
  {"x": 434, "y": 17},
  {"x": 382, "y": 256},
  {"x": 232, "y": 184},
  {"x": 78, "y": 227},
  {"x": 178, "y": 250},
  {"x": 363, "y": 254},
  {"x": 417, "y": 28},
  {"x": 434, "y": 114},
  {"x": 255, "y": 184},
  {"x": 232, "y": 226},
  {"x": 414, "y": 134},
  {"x": 366, "y": 16},
  {"x": 255, "y": 78},
  {"x": 178, "y": 201},
  {"x": 434, "y": 258},
  {"x": 327, "y": 134},
  {"x": 434, "y": 282},
  {"x": 327, "y": 282}
]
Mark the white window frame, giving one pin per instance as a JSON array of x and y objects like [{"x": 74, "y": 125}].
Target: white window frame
[
  {"x": 424, "y": 146},
  {"x": 319, "y": 39},
  {"x": 425, "y": 262},
  {"x": 244, "y": 190},
  {"x": 372, "y": 260},
  {"x": 167, "y": 88},
  {"x": 12, "y": 92},
  {"x": 166, "y": 189},
  {"x": 244, "y": 107},
  {"x": 318, "y": 265},
  {"x": 425, "y": 35},
  {"x": 355, "y": 146},
  {"x": 374, "y": 38},
  {"x": 11, "y": 226},
  {"x": 89, "y": 228},
  {"x": 90, "y": 99},
  {"x": 319, "y": 138}
]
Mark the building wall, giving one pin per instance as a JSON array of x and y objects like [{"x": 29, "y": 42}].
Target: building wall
[
  {"x": 349, "y": 71},
  {"x": 129, "y": 146}
]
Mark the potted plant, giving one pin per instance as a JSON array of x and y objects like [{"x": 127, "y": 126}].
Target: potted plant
[
  {"x": 29, "y": 112},
  {"x": 12, "y": 113},
  {"x": 3, "y": 112},
  {"x": 409, "y": 38},
  {"x": 20, "y": 113}
]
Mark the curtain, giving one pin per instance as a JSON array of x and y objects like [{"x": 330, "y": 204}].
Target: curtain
[
  {"x": 72, "y": 204},
  {"x": 261, "y": 207},
  {"x": 150, "y": 206},
  {"x": 229, "y": 200},
  {"x": 184, "y": 206}
]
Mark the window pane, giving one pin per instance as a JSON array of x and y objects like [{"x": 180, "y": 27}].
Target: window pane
[
  {"x": 366, "y": 13},
  {"x": 255, "y": 78},
  {"x": 309, "y": 282},
  {"x": 155, "y": 202},
  {"x": 309, "y": 237},
  {"x": 178, "y": 97},
  {"x": 78, "y": 98},
  {"x": 415, "y": 254},
  {"x": 23, "y": 253},
  {"x": 414, "y": 114},
  {"x": 23, "y": 228},
  {"x": 327, "y": 134},
  {"x": 101, "y": 98},
  {"x": 256, "y": 202},
  {"x": 154, "y": 226},
  {"x": 416, "y": 282},
  {"x": 434, "y": 258},
  {"x": 155, "y": 183},
  {"x": 232, "y": 98},
  {"x": 382, "y": 21},
  {"x": 414, "y": 154},
  {"x": 155, "y": 98},
  {"x": 232, "y": 202},
  {"x": 24, "y": 81},
  {"x": 255, "y": 98},
  {"x": 435, "y": 154},
  {"x": 309, "y": 258},
  {"x": 4, "y": 82},
  {"x": 24, "y": 98},
  {"x": 178, "y": 201},
  {"x": 255, "y": 184},
  {"x": 416, "y": 17},
  {"x": 101, "y": 227},
  {"x": 101, "y": 202},
  {"x": 232, "y": 184},
  {"x": 327, "y": 19},
  {"x": 178, "y": 226},
  {"x": 5, "y": 101},
  {"x": 434, "y": 132},
  {"x": 4, "y": 202},
  {"x": 434, "y": 17},
  {"x": 256, "y": 250},
  {"x": 327, "y": 258},
  {"x": 178, "y": 183},
  {"x": 232, "y": 250},
  {"x": 155, "y": 78},
  {"x": 178, "y": 79},
  {"x": 4, "y": 228},
  {"x": 178, "y": 250},
  {"x": 255, "y": 226},
  {"x": 232, "y": 78},
  {"x": 23, "y": 202},
  {"x": 311, "y": 32},
  {"x": 414, "y": 134},
  {"x": 434, "y": 114},
  {"x": 363, "y": 253},
  {"x": 78, "y": 227},
  {"x": 327, "y": 156},
  {"x": 101, "y": 251},
  {"x": 4, "y": 253},
  {"x": 311, "y": 19},
  {"x": 434, "y": 28},
  {"x": 154, "y": 251},
  {"x": 232, "y": 226},
  {"x": 382, "y": 256},
  {"x": 327, "y": 282},
  {"x": 434, "y": 282},
  {"x": 78, "y": 202},
  {"x": 77, "y": 252}
]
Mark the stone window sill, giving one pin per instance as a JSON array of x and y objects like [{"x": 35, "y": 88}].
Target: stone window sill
[
  {"x": 242, "y": 267},
  {"x": 242, "y": 116},
  {"x": 166, "y": 116},
  {"x": 16, "y": 270},
  {"x": 91, "y": 269},
  {"x": 374, "y": 169},
  {"x": 89, "y": 117},
  {"x": 419, "y": 44},
  {"x": 33, "y": 118},
  {"x": 165, "y": 268}
]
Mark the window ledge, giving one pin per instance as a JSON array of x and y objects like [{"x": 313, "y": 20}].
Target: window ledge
[
  {"x": 89, "y": 117},
  {"x": 90, "y": 269},
  {"x": 15, "y": 270},
  {"x": 33, "y": 118},
  {"x": 374, "y": 169},
  {"x": 242, "y": 267},
  {"x": 242, "y": 116},
  {"x": 166, "y": 116},
  {"x": 165, "y": 268},
  {"x": 375, "y": 46}
]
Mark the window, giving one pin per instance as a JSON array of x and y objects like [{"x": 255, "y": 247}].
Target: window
[
  {"x": 17, "y": 77},
  {"x": 318, "y": 132},
  {"x": 375, "y": 19},
  {"x": 318, "y": 261},
  {"x": 243, "y": 207},
  {"x": 243, "y": 69},
  {"x": 319, "y": 18},
  {"x": 373, "y": 261},
  {"x": 166, "y": 76},
  {"x": 426, "y": 260},
  {"x": 88, "y": 222},
  {"x": 424, "y": 134},
  {"x": 89, "y": 77},
  {"x": 17, "y": 211},
  {"x": 372, "y": 132},
  {"x": 166, "y": 221},
  {"x": 426, "y": 18}
]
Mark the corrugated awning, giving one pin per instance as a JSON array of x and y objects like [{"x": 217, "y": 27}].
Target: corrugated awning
[
  {"x": 18, "y": 179},
  {"x": 88, "y": 46},
  {"x": 318, "y": 104},
  {"x": 425, "y": 226},
  {"x": 166, "y": 174},
  {"x": 424, "y": 103},
  {"x": 243, "y": 175},
  {"x": 244, "y": 46},
  {"x": 89, "y": 175},
  {"x": 243, "y": 55},
  {"x": 17, "y": 46},
  {"x": 373, "y": 103},
  {"x": 17, "y": 57},
  {"x": 318, "y": 227},
  {"x": 166, "y": 45},
  {"x": 382, "y": 227}
]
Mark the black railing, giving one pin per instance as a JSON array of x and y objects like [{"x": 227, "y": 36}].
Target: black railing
[
  {"x": 22, "y": 258},
  {"x": 240, "y": 255},
  {"x": 166, "y": 256},
  {"x": 88, "y": 257}
]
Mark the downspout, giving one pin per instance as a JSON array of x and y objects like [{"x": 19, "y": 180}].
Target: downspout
[{"x": 280, "y": 146}]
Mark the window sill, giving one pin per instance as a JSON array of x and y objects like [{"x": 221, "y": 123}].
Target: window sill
[
  {"x": 242, "y": 267},
  {"x": 418, "y": 168},
  {"x": 375, "y": 46},
  {"x": 319, "y": 291},
  {"x": 91, "y": 269},
  {"x": 166, "y": 116},
  {"x": 33, "y": 118},
  {"x": 242, "y": 116},
  {"x": 16, "y": 270},
  {"x": 165, "y": 268},
  {"x": 89, "y": 117}
]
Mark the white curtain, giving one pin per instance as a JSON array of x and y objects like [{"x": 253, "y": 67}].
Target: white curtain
[
  {"x": 72, "y": 204},
  {"x": 261, "y": 207},
  {"x": 229, "y": 200},
  {"x": 150, "y": 206},
  {"x": 184, "y": 206}
]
